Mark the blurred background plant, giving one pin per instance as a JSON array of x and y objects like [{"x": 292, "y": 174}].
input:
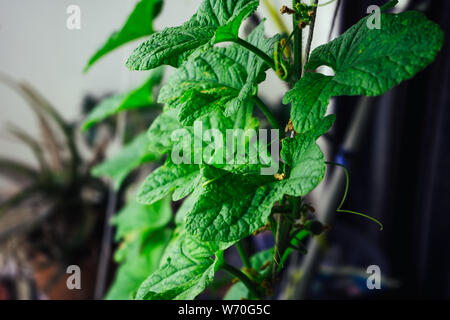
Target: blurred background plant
[
  {"x": 54, "y": 214},
  {"x": 60, "y": 210}
]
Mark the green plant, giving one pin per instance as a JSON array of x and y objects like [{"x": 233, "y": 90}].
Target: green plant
[{"x": 217, "y": 86}]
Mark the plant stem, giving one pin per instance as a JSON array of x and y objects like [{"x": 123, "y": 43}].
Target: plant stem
[
  {"x": 105, "y": 253},
  {"x": 276, "y": 252},
  {"x": 282, "y": 241},
  {"x": 297, "y": 206},
  {"x": 245, "y": 280},
  {"x": 256, "y": 51},
  {"x": 298, "y": 34},
  {"x": 243, "y": 255},
  {"x": 284, "y": 224},
  {"x": 103, "y": 266},
  {"x": 263, "y": 107},
  {"x": 295, "y": 241},
  {"x": 311, "y": 33}
]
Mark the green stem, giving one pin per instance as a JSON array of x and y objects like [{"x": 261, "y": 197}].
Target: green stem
[
  {"x": 296, "y": 208},
  {"x": 311, "y": 33},
  {"x": 243, "y": 255},
  {"x": 276, "y": 251},
  {"x": 298, "y": 40},
  {"x": 256, "y": 51},
  {"x": 245, "y": 280},
  {"x": 282, "y": 241},
  {"x": 263, "y": 107},
  {"x": 284, "y": 225},
  {"x": 289, "y": 38},
  {"x": 298, "y": 238}
]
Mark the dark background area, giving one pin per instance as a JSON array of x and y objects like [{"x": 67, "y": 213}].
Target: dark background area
[{"x": 401, "y": 174}]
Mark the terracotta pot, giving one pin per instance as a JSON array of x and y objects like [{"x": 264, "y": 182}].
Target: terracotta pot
[{"x": 51, "y": 279}]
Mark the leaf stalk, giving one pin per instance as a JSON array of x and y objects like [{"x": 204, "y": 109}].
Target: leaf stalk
[
  {"x": 243, "y": 255},
  {"x": 265, "y": 109},
  {"x": 256, "y": 51},
  {"x": 244, "y": 279}
]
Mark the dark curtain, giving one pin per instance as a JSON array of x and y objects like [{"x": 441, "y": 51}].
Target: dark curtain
[{"x": 401, "y": 175}]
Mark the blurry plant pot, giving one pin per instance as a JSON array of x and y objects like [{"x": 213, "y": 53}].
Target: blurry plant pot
[{"x": 51, "y": 278}]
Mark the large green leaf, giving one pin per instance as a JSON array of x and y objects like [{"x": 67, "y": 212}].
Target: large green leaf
[
  {"x": 307, "y": 165},
  {"x": 137, "y": 98},
  {"x": 160, "y": 132},
  {"x": 180, "y": 179},
  {"x": 166, "y": 179},
  {"x": 232, "y": 205},
  {"x": 186, "y": 206},
  {"x": 215, "y": 21},
  {"x": 136, "y": 217},
  {"x": 183, "y": 178},
  {"x": 129, "y": 158},
  {"x": 309, "y": 101},
  {"x": 138, "y": 24},
  {"x": 144, "y": 238},
  {"x": 188, "y": 268},
  {"x": 139, "y": 258},
  {"x": 366, "y": 62},
  {"x": 219, "y": 79}
]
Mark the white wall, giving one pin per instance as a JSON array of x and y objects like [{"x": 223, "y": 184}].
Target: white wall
[{"x": 37, "y": 47}]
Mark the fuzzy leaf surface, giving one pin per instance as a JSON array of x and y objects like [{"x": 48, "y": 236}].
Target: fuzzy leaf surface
[
  {"x": 214, "y": 21},
  {"x": 220, "y": 79},
  {"x": 188, "y": 268},
  {"x": 366, "y": 62},
  {"x": 166, "y": 179},
  {"x": 232, "y": 205}
]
